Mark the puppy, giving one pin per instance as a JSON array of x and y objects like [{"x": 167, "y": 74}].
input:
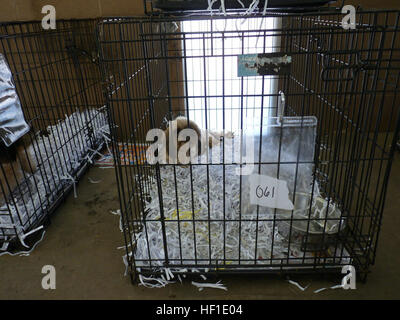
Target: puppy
[
  {"x": 15, "y": 162},
  {"x": 205, "y": 138}
]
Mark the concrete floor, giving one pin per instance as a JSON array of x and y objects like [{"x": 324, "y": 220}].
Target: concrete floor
[{"x": 82, "y": 244}]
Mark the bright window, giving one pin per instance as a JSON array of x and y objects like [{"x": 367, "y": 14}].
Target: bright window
[{"x": 211, "y": 71}]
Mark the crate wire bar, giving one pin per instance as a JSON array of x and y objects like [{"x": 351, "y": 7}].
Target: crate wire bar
[
  {"x": 158, "y": 68},
  {"x": 57, "y": 79}
]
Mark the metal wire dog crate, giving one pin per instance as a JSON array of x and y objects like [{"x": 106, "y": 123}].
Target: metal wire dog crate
[
  {"x": 341, "y": 113},
  {"x": 54, "y": 78}
]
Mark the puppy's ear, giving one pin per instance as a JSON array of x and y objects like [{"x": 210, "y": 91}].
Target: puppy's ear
[
  {"x": 195, "y": 127},
  {"x": 28, "y": 163}
]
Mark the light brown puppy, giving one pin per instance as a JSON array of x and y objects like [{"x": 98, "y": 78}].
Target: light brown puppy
[
  {"x": 210, "y": 138},
  {"x": 14, "y": 161}
]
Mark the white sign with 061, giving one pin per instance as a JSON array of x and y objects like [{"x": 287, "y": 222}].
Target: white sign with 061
[{"x": 269, "y": 192}]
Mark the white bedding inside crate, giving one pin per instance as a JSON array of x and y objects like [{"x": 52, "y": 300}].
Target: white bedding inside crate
[
  {"x": 210, "y": 241},
  {"x": 59, "y": 154}
]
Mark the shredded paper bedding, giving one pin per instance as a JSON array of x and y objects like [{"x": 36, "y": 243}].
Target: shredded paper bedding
[{"x": 59, "y": 154}]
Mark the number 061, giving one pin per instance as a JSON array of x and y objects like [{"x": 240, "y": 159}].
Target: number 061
[{"x": 267, "y": 192}]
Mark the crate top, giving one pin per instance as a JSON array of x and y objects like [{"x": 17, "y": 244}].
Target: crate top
[{"x": 207, "y": 7}]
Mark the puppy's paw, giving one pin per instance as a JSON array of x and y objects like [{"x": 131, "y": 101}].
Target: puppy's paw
[{"x": 229, "y": 135}]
